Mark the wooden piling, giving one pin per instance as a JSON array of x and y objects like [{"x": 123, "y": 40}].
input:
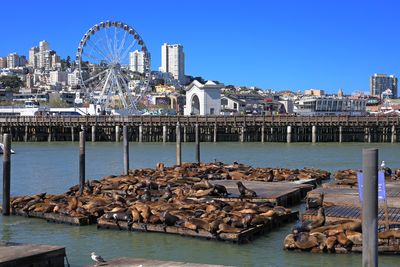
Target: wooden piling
[
  {"x": 82, "y": 137},
  {"x": 126, "y": 149},
  {"x": 72, "y": 134},
  {"x": 6, "y": 174},
  {"x": 289, "y": 134},
  {"x": 26, "y": 134},
  {"x": 140, "y": 133},
  {"x": 262, "y": 133},
  {"x": 178, "y": 145},
  {"x": 215, "y": 132},
  {"x": 197, "y": 140},
  {"x": 117, "y": 132},
  {"x": 340, "y": 134},
  {"x": 314, "y": 134},
  {"x": 164, "y": 133},
  {"x": 393, "y": 137},
  {"x": 93, "y": 133}
]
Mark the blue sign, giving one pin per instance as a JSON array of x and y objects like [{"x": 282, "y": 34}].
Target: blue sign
[{"x": 381, "y": 186}]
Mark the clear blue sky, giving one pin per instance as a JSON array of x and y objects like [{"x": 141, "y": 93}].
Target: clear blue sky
[{"x": 322, "y": 44}]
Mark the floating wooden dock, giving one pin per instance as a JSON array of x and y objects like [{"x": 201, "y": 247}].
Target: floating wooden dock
[
  {"x": 346, "y": 196},
  {"x": 13, "y": 254},
  {"x": 279, "y": 193},
  {"x": 57, "y": 218},
  {"x": 134, "y": 262},
  {"x": 244, "y": 236},
  {"x": 337, "y": 213}
]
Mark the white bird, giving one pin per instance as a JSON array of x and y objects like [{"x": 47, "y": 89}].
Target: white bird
[
  {"x": 383, "y": 164},
  {"x": 97, "y": 258}
]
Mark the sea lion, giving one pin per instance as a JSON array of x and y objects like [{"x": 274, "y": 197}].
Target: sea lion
[
  {"x": 315, "y": 202},
  {"x": 270, "y": 176},
  {"x": 343, "y": 240},
  {"x": 225, "y": 228},
  {"x": 330, "y": 243},
  {"x": 354, "y": 237},
  {"x": 305, "y": 241},
  {"x": 244, "y": 191},
  {"x": 203, "y": 185},
  {"x": 321, "y": 238},
  {"x": 160, "y": 167},
  {"x": 168, "y": 219},
  {"x": 289, "y": 242},
  {"x": 389, "y": 234},
  {"x": 200, "y": 224},
  {"x": 220, "y": 190},
  {"x": 136, "y": 217}
]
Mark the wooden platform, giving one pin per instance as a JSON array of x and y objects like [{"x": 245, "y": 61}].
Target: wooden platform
[
  {"x": 56, "y": 218},
  {"x": 242, "y": 237},
  {"x": 346, "y": 196},
  {"x": 13, "y": 254},
  {"x": 279, "y": 193},
  {"x": 336, "y": 213},
  {"x": 135, "y": 262}
]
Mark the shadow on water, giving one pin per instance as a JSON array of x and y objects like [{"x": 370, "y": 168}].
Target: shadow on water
[{"x": 53, "y": 168}]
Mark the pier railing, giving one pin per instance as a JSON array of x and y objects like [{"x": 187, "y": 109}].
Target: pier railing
[{"x": 202, "y": 120}]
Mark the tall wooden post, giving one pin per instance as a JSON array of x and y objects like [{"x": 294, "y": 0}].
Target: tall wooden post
[
  {"x": 126, "y": 150},
  {"x": 197, "y": 140},
  {"x": 82, "y": 139},
  {"x": 6, "y": 174},
  {"x": 289, "y": 134},
  {"x": 164, "y": 133},
  {"x": 93, "y": 133},
  {"x": 178, "y": 145},
  {"x": 117, "y": 133}
]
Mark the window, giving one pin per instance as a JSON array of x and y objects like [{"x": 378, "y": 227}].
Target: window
[
  {"x": 235, "y": 105},
  {"x": 211, "y": 111}
]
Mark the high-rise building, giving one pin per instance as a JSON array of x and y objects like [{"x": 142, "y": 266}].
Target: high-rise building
[
  {"x": 3, "y": 62},
  {"x": 33, "y": 57},
  {"x": 381, "y": 84},
  {"x": 44, "y": 55},
  {"x": 173, "y": 60},
  {"x": 136, "y": 61},
  {"x": 22, "y": 61},
  {"x": 58, "y": 77},
  {"x": 55, "y": 60},
  {"x": 12, "y": 61}
]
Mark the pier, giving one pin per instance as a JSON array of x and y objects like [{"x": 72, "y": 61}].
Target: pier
[{"x": 211, "y": 128}]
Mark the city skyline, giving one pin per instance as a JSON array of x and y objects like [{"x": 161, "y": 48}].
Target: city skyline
[{"x": 327, "y": 46}]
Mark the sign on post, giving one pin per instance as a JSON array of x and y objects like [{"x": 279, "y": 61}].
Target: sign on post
[{"x": 381, "y": 186}]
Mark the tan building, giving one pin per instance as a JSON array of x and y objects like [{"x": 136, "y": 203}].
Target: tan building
[
  {"x": 314, "y": 92},
  {"x": 165, "y": 89},
  {"x": 3, "y": 62}
]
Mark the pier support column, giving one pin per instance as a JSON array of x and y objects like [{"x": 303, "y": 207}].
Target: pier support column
[
  {"x": 6, "y": 174},
  {"x": 82, "y": 139},
  {"x": 271, "y": 139},
  {"x": 140, "y": 133},
  {"x": 126, "y": 149},
  {"x": 215, "y": 132},
  {"x": 164, "y": 133},
  {"x": 370, "y": 207},
  {"x": 184, "y": 134},
  {"x": 1, "y": 134},
  {"x": 393, "y": 137},
  {"x": 178, "y": 145},
  {"x": 242, "y": 130},
  {"x": 49, "y": 134},
  {"x": 314, "y": 134},
  {"x": 197, "y": 140},
  {"x": 117, "y": 134},
  {"x": 340, "y": 134},
  {"x": 72, "y": 134},
  {"x": 26, "y": 133},
  {"x": 262, "y": 134},
  {"x": 369, "y": 134},
  {"x": 289, "y": 134},
  {"x": 93, "y": 133}
]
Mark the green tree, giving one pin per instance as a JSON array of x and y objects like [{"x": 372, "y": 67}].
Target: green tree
[
  {"x": 58, "y": 103},
  {"x": 12, "y": 82}
]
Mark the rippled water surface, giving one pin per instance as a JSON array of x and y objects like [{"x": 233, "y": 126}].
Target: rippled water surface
[{"x": 53, "y": 168}]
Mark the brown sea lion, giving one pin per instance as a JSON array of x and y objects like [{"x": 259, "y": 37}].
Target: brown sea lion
[
  {"x": 244, "y": 191},
  {"x": 321, "y": 238},
  {"x": 305, "y": 241},
  {"x": 343, "y": 240},
  {"x": 288, "y": 242},
  {"x": 389, "y": 234},
  {"x": 330, "y": 243},
  {"x": 136, "y": 217},
  {"x": 354, "y": 237},
  {"x": 225, "y": 228}
]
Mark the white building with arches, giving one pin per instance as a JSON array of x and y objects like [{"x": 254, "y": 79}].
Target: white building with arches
[{"x": 203, "y": 99}]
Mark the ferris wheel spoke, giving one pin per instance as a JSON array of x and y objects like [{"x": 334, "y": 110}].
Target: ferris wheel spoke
[
  {"x": 108, "y": 41},
  {"x": 129, "y": 94},
  {"x": 121, "y": 93},
  {"x": 128, "y": 49},
  {"x": 99, "y": 60},
  {"x": 121, "y": 46},
  {"x": 98, "y": 50},
  {"x": 95, "y": 76},
  {"x": 115, "y": 43}
]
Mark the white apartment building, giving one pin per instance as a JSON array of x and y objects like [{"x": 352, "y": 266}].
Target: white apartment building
[
  {"x": 57, "y": 77},
  {"x": 12, "y": 60},
  {"x": 173, "y": 61},
  {"x": 33, "y": 57},
  {"x": 73, "y": 78},
  {"x": 136, "y": 61}
]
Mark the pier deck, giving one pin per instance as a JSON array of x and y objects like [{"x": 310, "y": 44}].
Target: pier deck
[
  {"x": 134, "y": 262},
  {"x": 279, "y": 193},
  {"x": 13, "y": 254},
  {"x": 243, "y": 236}
]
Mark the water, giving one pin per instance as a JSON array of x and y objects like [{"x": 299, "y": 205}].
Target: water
[{"x": 53, "y": 168}]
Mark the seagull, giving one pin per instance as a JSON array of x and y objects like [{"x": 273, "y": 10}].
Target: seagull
[
  {"x": 97, "y": 258},
  {"x": 383, "y": 165}
]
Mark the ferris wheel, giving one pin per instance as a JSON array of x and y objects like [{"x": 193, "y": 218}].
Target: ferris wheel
[{"x": 114, "y": 66}]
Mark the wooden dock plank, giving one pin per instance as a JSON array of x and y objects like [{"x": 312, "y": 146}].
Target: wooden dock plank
[
  {"x": 14, "y": 254},
  {"x": 130, "y": 262}
]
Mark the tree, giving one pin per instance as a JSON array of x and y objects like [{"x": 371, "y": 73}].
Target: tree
[{"x": 13, "y": 82}]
